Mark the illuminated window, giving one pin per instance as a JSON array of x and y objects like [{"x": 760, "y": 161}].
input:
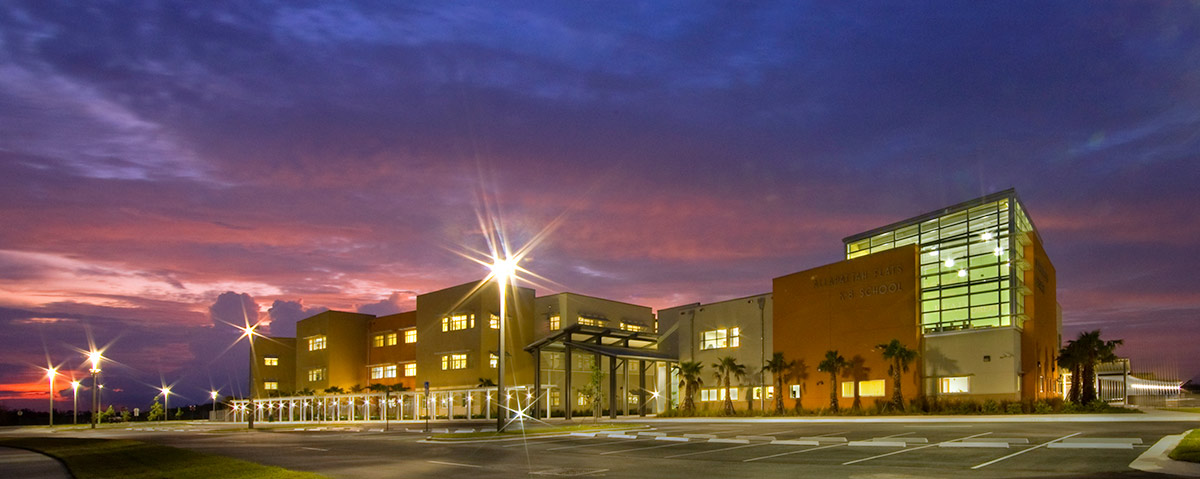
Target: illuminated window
[
  {"x": 758, "y": 392},
  {"x": 848, "y": 389},
  {"x": 410, "y": 336},
  {"x": 718, "y": 394},
  {"x": 376, "y": 372},
  {"x": 317, "y": 342},
  {"x": 494, "y": 321},
  {"x": 635, "y": 327},
  {"x": 795, "y": 391},
  {"x": 591, "y": 321},
  {"x": 271, "y": 361},
  {"x": 270, "y": 385},
  {"x": 953, "y": 385},
  {"x": 410, "y": 370},
  {"x": 391, "y": 339},
  {"x": 871, "y": 389},
  {"x": 458, "y": 322},
  {"x": 316, "y": 374},
  {"x": 389, "y": 371},
  {"x": 493, "y": 360},
  {"x": 555, "y": 398},
  {"x": 555, "y": 322},
  {"x": 581, "y": 400},
  {"x": 454, "y": 361},
  {"x": 720, "y": 338},
  {"x": 377, "y": 340}
]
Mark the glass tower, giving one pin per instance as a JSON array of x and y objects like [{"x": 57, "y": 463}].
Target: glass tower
[{"x": 973, "y": 256}]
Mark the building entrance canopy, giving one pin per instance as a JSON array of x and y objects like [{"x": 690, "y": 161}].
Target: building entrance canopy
[{"x": 621, "y": 346}]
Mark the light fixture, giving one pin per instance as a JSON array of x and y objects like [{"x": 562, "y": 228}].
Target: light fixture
[
  {"x": 950, "y": 263},
  {"x": 998, "y": 251},
  {"x": 987, "y": 236},
  {"x": 962, "y": 273}
]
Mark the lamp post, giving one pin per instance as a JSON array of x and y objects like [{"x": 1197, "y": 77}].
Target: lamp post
[
  {"x": 94, "y": 357},
  {"x": 502, "y": 269},
  {"x": 762, "y": 355},
  {"x": 50, "y": 373},
  {"x": 248, "y": 332},
  {"x": 75, "y": 401},
  {"x": 213, "y": 394},
  {"x": 166, "y": 394}
]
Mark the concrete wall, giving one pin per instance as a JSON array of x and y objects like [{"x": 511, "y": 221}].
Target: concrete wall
[
  {"x": 398, "y": 354},
  {"x": 345, "y": 350},
  {"x": 851, "y": 307},
  {"x": 284, "y": 373},
  {"x": 1042, "y": 330},
  {"x": 991, "y": 358}
]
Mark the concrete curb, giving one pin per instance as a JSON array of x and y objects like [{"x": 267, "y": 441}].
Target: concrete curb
[{"x": 1155, "y": 459}]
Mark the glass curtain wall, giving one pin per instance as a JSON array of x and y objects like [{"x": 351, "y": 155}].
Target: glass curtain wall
[{"x": 970, "y": 264}]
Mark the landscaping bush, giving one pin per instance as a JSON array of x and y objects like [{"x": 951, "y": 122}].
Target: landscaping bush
[
  {"x": 1014, "y": 408},
  {"x": 1042, "y": 407},
  {"x": 991, "y": 407}
]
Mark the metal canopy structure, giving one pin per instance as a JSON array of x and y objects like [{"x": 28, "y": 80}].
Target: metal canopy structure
[{"x": 616, "y": 344}]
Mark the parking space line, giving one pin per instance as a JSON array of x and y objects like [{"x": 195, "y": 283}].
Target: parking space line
[
  {"x": 791, "y": 452},
  {"x": 909, "y": 449},
  {"x": 526, "y": 442},
  {"x": 717, "y": 450},
  {"x": 1023, "y": 451},
  {"x": 643, "y": 448}
]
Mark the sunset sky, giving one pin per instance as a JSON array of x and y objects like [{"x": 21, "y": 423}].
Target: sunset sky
[{"x": 165, "y": 166}]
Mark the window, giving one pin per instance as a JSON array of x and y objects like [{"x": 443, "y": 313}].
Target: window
[
  {"x": 591, "y": 321},
  {"x": 581, "y": 400},
  {"x": 871, "y": 389},
  {"x": 758, "y": 392},
  {"x": 316, "y": 343},
  {"x": 720, "y": 338},
  {"x": 493, "y": 360},
  {"x": 795, "y": 391},
  {"x": 635, "y": 327},
  {"x": 410, "y": 370},
  {"x": 377, "y": 341},
  {"x": 410, "y": 336},
  {"x": 952, "y": 385},
  {"x": 376, "y": 372},
  {"x": 494, "y": 321},
  {"x": 271, "y": 361},
  {"x": 391, "y": 339},
  {"x": 555, "y": 322},
  {"x": 458, "y": 322},
  {"x": 454, "y": 361},
  {"x": 555, "y": 397},
  {"x": 718, "y": 394},
  {"x": 389, "y": 371},
  {"x": 271, "y": 385},
  {"x": 848, "y": 389},
  {"x": 316, "y": 374}
]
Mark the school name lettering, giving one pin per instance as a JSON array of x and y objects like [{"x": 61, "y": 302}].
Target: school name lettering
[{"x": 857, "y": 276}]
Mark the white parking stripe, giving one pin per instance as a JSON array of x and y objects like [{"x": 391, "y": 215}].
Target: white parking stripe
[
  {"x": 643, "y": 448},
  {"x": 591, "y": 444},
  {"x": 717, "y": 450},
  {"x": 527, "y": 441},
  {"x": 791, "y": 452},
  {"x": 1023, "y": 451},
  {"x": 908, "y": 449}
]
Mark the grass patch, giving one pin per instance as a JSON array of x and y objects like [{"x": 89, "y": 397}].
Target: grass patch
[
  {"x": 1188, "y": 449},
  {"x": 536, "y": 431},
  {"x": 101, "y": 458}
]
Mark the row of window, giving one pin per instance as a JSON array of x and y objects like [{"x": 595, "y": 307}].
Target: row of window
[
  {"x": 388, "y": 371},
  {"x": 720, "y": 338},
  {"x": 390, "y": 339},
  {"x": 871, "y": 388}
]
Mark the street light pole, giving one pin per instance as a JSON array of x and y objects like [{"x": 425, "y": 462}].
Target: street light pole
[
  {"x": 762, "y": 355},
  {"x": 51, "y": 372},
  {"x": 75, "y": 401},
  {"x": 95, "y": 357},
  {"x": 166, "y": 394},
  {"x": 214, "y": 395}
]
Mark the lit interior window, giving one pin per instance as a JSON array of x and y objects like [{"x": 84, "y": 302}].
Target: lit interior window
[
  {"x": 377, "y": 341},
  {"x": 410, "y": 370},
  {"x": 271, "y": 361},
  {"x": 458, "y": 322},
  {"x": 389, "y": 371},
  {"x": 410, "y": 336},
  {"x": 591, "y": 321},
  {"x": 271, "y": 385},
  {"x": 391, "y": 339},
  {"x": 555, "y": 322},
  {"x": 848, "y": 389},
  {"x": 317, "y": 343},
  {"x": 493, "y": 360},
  {"x": 872, "y": 388},
  {"x": 454, "y": 361},
  {"x": 376, "y": 372},
  {"x": 953, "y": 385},
  {"x": 494, "y": 321},
  {"x": 316, "y": 374}
]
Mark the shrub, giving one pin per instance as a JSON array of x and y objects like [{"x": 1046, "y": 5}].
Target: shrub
[
  {"x": 1014, "y": 408},
  {"x": 1042, "y": 407},
  {"x": 991, "y": 407}
]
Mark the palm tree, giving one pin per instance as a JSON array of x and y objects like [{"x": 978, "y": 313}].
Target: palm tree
[
  {"x": 1069, "y": 358},
  {"x": 833, "y": 364},
  {"x": 727, "y": 368},
  {"x": 689, "y": 382},
  {"x": 778, "y": 367},
  {"x": 335, "y": 390},
  {"x": 900, "y": 356},
  {"x": 1093, "y": 351},
  {"x": 486, "y": 383}
]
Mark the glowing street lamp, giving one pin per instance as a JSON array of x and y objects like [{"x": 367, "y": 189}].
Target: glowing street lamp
[
  {"x": 94, "y": 357},
  {"x": 166, "y": 394},
  {"x": 213, "y": 394},
  {"x": 50, "y": 373},
  {"x": 249, "y": 332},
  {"x": 75, "y": 405}
]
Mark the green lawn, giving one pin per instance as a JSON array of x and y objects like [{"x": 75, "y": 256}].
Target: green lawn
[
  {"x": 104, "y": 458},
  {"x": 1189, "y": 448}
]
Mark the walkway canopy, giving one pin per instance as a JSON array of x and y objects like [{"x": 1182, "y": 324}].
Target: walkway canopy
[{"x": 616, "y": 344}]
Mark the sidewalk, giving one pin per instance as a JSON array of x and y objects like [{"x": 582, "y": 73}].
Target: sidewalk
[
  {"x": 28, "y": 464},
  {"x": 1155, "y": 459}
]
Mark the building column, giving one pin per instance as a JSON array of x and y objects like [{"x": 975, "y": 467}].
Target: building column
[
  {"x": 568, "y": 397},
  {"x": 641, "y": 387},
  {"x": 612, "y": 386},
  {"x": 537, "y": 381}
]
